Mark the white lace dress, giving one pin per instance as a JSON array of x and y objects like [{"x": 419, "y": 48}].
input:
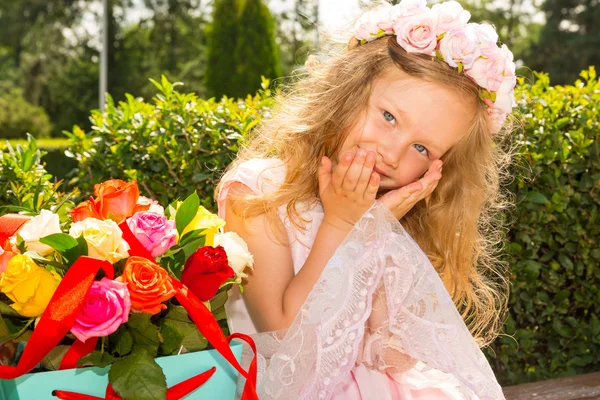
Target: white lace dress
[{"x": 378, "y": 325}]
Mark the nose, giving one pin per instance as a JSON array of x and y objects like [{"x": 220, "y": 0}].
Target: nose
[{"x": 392, "y": 151}]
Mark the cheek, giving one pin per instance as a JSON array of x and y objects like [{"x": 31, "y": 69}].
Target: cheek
[{"x": 409, "y": 170}]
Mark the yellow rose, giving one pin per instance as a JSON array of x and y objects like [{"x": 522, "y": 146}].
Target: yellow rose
[
  {"x": 206, "y": 220},
  {"x": 30, "y": 286}
]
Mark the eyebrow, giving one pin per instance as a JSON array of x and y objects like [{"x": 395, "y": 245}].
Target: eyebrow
[{"x": 405, "y": 116}]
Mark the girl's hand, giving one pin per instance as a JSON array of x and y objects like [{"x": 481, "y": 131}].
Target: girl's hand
[
  {"x": 402, "y": 200},
  {"x": 349, "y": 189}
]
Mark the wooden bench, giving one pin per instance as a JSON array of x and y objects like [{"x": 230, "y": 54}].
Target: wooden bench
[{"x": 580, "y": 387}]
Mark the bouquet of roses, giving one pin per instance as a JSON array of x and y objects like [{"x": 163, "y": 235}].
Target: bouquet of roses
[{"x": 118, "y": 280}]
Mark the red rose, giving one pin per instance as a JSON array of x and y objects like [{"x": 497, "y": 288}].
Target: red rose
[{"x": 205, "y": 271}]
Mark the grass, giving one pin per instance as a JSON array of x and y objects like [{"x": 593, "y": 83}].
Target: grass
[{"x": 47, "y": 143}]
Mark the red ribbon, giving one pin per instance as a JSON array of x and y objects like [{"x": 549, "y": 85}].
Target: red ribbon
[
  {"x": 76, "y": 351},
  {"x": 58, "y": 318},
  {"x": 175, "y": 392},
  {"x": 9, "y": 225}
]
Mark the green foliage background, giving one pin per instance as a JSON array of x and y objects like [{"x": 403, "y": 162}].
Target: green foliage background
[
  {"x": 172, "y": 145},
  {"x": 553, "y": 249}
]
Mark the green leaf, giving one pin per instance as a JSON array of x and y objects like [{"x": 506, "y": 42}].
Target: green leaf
[
  {"x": 65, "y": 245},
  {"x": 8, "y": 311},
  {"x": 59, "y": 241},
  {"x": 138, "y": 377},
  {"x": 536, "y": 197},
  {"x": 219, "y": 300},
  {"x": 177, "y": 330},
  {"x": 122, "y": 341},
  {"x": 191, "y": 247},
  {"x": 189, "y": 236},
  {"x": 97, "y": 358},
  {"x": 83, "y": 246},
  {"x": 186, "y": 212},
  {"x": 143, "y": 332}
]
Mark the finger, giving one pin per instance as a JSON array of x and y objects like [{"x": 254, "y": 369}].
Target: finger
[
  {"x": 324, "y": 173},
  {"x": 340, "y": 170},
  {"x": 436, "y": 166},
  {"x": 398, "y": 197},
  {"x": 373, "y": 187},
  {"x": 354, "y": 171},
  {"x": 365, "y": 174}
]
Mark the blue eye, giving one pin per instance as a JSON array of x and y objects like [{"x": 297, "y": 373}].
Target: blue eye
[
  {"x": 389, "y": 117},
  {"x": 422, "y": 149}
]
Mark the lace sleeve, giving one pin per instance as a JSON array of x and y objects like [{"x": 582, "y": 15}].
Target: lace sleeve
[{"x": 325, "y": 339}]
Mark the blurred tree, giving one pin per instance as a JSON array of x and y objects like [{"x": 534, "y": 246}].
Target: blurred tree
[
  {"x": 221, "y": 37},
  {"x": 569, "y": 41},
  {"x": 256, "y": 51},
  {"x": 241, "y": 47},
  {"x": 296, "y": 28}
]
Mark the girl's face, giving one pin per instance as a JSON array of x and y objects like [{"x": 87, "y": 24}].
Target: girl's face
[{"x": 408, "y": 123}]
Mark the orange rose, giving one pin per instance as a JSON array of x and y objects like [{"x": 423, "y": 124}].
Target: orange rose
[
  {"x": 85, "y": 210},
  {"x": 117, "y": 199},
  {"x": 149, "y": 285}
]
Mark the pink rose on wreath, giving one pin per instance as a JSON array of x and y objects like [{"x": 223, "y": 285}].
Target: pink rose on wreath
[
  {"x": 106, "y": 307},
  {"x": 154, "y": 231},
  {"x": 460, "y": 45},
  {"x": 451, "y": 15},
  {"x": 417, "y": 33}
]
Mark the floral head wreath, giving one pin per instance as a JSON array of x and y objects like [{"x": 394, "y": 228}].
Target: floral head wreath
[{"x": 442, "y": 31}]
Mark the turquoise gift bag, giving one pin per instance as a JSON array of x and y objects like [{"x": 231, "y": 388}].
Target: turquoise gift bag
[{"x": 93, "y": 381}]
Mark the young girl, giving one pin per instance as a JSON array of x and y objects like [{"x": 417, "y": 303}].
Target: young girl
[{"x": 369, "y": 201}]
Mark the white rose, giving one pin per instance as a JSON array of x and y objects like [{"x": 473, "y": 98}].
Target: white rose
[
  {"x": 450, "y": 15},
  {"x": 44, "y": 224},
  {"x": 237, "y": 252},
  {"x": 104, "y": 239}
]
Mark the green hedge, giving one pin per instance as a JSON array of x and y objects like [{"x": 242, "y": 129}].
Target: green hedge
[
  {"x": 175, "y": 144},
  {"x": 25, "y": 185},
  {"x": 554, "y": 246},
  {"x": 179, "y": 142}
]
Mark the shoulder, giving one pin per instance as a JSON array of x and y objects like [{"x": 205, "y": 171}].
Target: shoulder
[{"x": 260, "y": 175}]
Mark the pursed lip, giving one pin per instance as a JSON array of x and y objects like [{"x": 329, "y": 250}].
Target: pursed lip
[{"x": 379, "y": 172}]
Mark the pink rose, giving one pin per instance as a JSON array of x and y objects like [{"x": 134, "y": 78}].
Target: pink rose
[
  {"x": 408, "y": 8},
  {"x": 367, "y": 26},
  {"x": 497, "y": 118},
  {"x": 154, "y": 231},
  {"x": 505, "y": 96},
  {"x": 417, "y": 33},
  {"x": 460, "y": 45},
  {"x": 386, "y": 20},
  {"x": 489, "y": 72},
  {"x": 106, "y": 307},
  {"x": 488, "y": 38},
  {"x": 450, "y": 15}
]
